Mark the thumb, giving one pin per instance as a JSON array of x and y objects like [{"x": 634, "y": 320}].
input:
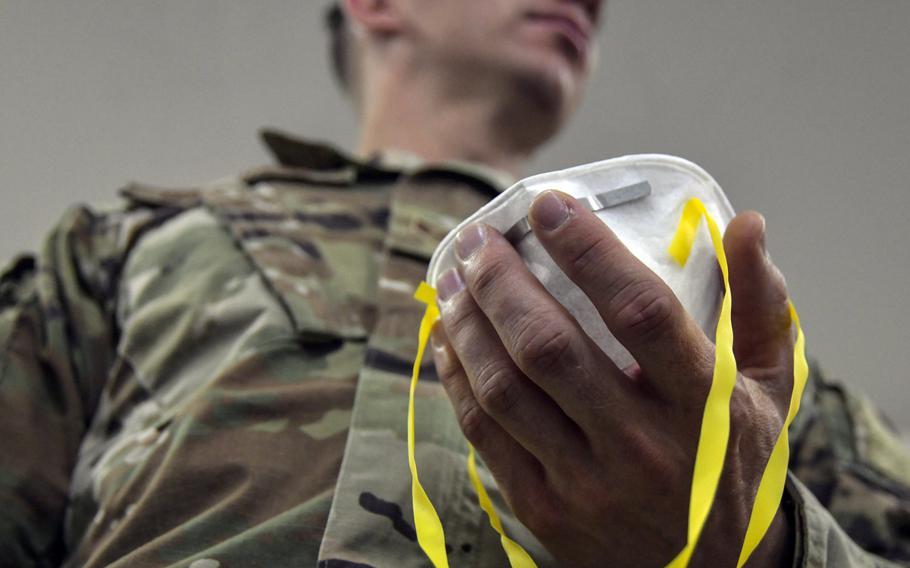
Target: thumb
[{"x": 761, "y": 314}]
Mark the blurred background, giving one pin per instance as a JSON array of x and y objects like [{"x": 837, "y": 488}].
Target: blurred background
[{"x": 800, "y": 110}]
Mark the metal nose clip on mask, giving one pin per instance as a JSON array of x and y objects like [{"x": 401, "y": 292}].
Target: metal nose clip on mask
[{"x": 640, "y": 198}]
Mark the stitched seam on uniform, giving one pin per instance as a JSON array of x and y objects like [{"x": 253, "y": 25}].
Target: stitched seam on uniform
[
  {"x": 166, "y": 214},
  {"x": 379, "y": 180},
  {"x": 408, "y": 254},
  {"x": 226, "y": 227},
  {"x": 169, "y": 213},
  {"x": 478, "y": 184},
  {"x": 797, "y": 515},
  {"x": 296, "y": 178}
]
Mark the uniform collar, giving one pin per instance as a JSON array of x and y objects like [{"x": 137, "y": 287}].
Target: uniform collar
[{"x": 321, "y": 158}]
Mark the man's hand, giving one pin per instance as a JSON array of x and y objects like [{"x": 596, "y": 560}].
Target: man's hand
[{"x": 597, "y": 461}]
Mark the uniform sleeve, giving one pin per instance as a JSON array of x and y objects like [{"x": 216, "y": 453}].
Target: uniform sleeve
[
  {"x": 852, "y": 497},
  {"x": 56, "y": 344}
]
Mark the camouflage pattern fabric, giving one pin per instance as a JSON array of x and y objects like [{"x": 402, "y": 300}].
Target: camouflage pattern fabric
[{"x": 217, "y": 377}]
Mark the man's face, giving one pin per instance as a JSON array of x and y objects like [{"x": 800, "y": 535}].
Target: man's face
[{"x": 547, "y": 45}]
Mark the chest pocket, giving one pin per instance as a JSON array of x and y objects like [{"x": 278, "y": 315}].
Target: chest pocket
[
  {"x": 316, "y": 250},
  {"x": 236, "y": 273}
]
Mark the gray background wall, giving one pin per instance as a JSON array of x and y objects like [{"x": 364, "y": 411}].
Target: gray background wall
[{"x": 800, "y": 109}]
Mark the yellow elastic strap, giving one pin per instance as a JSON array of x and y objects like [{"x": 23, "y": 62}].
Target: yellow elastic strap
[
  {"x": 771, "y": 487},
  {"x": 518, "y": 556},
  {"x": 715, "y": 424},
  {"x": 713, "y": 437},
  {"x": 709, "y": 460},
  {"x": 429, "y": 529}
]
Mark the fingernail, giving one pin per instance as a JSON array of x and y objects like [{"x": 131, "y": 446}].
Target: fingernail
[
  {"x": 549, "y": 211},
  {"x": 449, "y": 284},
  {"x": 469, "y": 240}
]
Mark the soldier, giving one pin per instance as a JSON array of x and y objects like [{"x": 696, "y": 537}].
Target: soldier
[{"x": 217, "y": 375}]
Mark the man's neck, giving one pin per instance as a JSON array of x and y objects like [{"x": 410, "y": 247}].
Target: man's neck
[{"x": 439, "y": 122}]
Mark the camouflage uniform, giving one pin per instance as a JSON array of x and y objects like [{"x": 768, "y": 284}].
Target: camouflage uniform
[{"x": 217, "y": 376}]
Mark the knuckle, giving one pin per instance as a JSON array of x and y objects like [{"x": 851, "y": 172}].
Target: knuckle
[
  {"x": 459, "y": 316},
  {"x": 644, "y": 309},
  {"x": 497, "y": 389},
  {"x": 446, "y": 368},
  {"x": 473, "y": 422},
  {"x": 485, "y": 275},
  {"x": 542, "y": 345},
  {"x": 585, "y": 259}
]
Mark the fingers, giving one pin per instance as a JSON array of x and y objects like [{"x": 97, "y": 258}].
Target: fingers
[
  {"x": 499, "y": 388},
  {"x": 761, "y": 312},
  {"x": 637, "y": 306},
  {"x": 511, "y": 464},
  {"x": 542, "y": 339}
]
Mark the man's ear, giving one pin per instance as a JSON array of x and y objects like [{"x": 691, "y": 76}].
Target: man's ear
[{"x": 377, "y": 16}]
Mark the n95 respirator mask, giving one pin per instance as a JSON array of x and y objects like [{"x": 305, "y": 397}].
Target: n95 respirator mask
[
  {"x": 655, "y": 205},
  {"x": 640, "y": 198}
]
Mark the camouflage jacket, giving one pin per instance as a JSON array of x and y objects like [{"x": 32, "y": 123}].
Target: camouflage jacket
[{"x": 217, "y": 376}]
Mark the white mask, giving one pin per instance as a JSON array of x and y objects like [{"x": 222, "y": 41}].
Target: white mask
[{"x": 641, "y": 198}]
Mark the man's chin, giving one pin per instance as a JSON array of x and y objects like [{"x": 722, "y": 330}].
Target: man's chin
[{"x": 553, "y": 86}]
